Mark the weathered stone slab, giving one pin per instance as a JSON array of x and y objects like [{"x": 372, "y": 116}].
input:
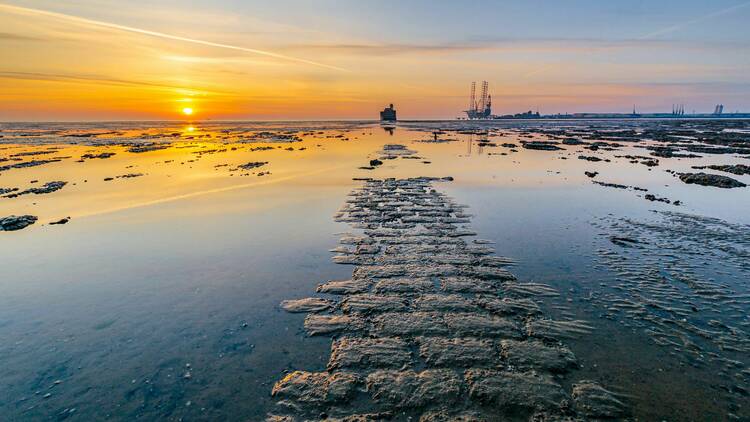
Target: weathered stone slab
[
  {"x": 332, "y": 324},
  {"x": 369, "y": 353},
  {"x": 490, "y": 273},
  {"x": 410, "y": 389},
  {"x": 479, "y": 325},
  {"x": 315, "y": 388},
  {"x": 344, "y": 287},
  {"x": 457, "y": 352},
  {"x": 308, "y": 304},
  {"x": 466, "y": 285},
  {"x": 398, "y": 324},
  {"x": 439, "y": 302},
  {"x": 509, "y": 390},
  {"x": 533, "y": 354},
  {"x": 449, "y": 416},
  {"x": 367, "y": 303},
  {"x": 404, "y": 285}
]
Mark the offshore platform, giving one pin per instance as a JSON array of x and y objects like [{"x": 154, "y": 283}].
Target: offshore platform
[{"x": 481, "y": 109}]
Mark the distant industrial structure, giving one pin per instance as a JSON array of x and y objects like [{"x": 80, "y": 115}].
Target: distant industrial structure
[
  {"x": 678, "y": 112},
  {"x": 481, "y": 109},
  {"x": 388, "y": 114}
]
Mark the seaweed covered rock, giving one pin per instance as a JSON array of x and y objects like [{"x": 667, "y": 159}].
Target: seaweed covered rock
[
  {"x": 706, "y": 179},
  {"x": 16, "y": 222}
]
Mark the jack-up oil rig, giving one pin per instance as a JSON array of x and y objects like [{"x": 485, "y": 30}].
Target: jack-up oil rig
[{"x": 481, "y": 109}]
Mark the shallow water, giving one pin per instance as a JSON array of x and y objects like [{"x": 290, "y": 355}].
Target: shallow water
[{"x": 159, "y": 299}]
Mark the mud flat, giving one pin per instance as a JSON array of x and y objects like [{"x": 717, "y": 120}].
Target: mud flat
[
  {"x": 432, "y": 326},
  {"x": 681, "y": 278}
]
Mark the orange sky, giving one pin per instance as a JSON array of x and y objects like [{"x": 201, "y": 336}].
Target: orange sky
[{"x": 95, "y": 63}]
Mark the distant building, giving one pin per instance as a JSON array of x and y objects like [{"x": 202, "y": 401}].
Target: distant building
[{"x": 388, "y": 114}]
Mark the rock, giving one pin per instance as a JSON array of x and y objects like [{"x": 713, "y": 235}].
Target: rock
[
  {"x": 593, "y": 401},
  {"x": 435, "y": 302},
  {"x": 315, "y": 388},
  {"x": 397, "y": 324},
  {"x": 510, "y": 390},
  {"x": 533, "y": 354},
  {"x": 541, "y": 145},
  {"x": 509, "y": 306},
  {"x": 253, "y": 164},
  {"x": 331, "y": 324},
  {"x": 147, "y": 147},
  {"x": 654, "y": 198},
  {"x": 457, "y": 352},
  {"x": 403, "y": 285},
  {"x": 371, "y": 303},
  {"x": 343, "y": 287},
  {"x": 591, "y": 173},
  {"x": 466, "y": 285},
  {"x": 61, "y": 221},
  {"x": 738, "y": 169},
  {"x": 474, "y": 324},
  {"x": 26, "y": 164},
  {"x": 48, "y": 187},
  {"x": 375, "y": 163},
  {"x": 572, "y": 141},
  {"x": 715, "y": 180},
  {"x": 16, "y": 222},
  {"x": 589, "y": 158},
  {"x": 101, "y": 156},
  {"x": 410, "y": 389},
  {"x": 309, "y": 304},
  {"x": 369, "y": 353},
  {"x": 448, "y": 416}
]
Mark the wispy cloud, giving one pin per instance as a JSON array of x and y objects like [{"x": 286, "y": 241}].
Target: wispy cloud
[
  {"x": 6, "y": 36},
  {"x": 96, "y": 79},
  {"x": 117, "y": 27},
  {"x": 681, "y": 25},
  {"x": 509, "y": 44}
]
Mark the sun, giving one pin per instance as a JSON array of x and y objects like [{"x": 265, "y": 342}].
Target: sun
[{"x": 187, "y": 111}]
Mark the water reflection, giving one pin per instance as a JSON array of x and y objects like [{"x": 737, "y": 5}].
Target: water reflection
[{"x": 186, "y": 264}]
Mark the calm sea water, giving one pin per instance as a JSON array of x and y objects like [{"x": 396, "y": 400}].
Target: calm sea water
[{"x": 159, "y": 299}]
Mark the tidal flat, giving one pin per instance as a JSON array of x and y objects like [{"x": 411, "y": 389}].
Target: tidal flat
[{"x": 447, "y": 270}]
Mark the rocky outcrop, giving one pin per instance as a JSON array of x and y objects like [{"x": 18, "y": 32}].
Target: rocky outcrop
[
  {"x": 16, "y": 222},
  {"x": 706, "y": 179}
]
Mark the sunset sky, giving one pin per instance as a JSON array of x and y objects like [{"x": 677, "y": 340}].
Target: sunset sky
[{"x": 282, "y": 59}]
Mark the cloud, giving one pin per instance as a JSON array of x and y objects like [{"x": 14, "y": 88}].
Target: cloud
[
  {"x": 6, "y": 36},
  {"x": 526, "y": 45},
  {"x": 95, "y": 79},
  {"x": 117, "y": 27}
]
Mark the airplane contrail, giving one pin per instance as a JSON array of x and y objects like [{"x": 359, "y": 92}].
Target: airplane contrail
[
  {"x": 681, "y": 25},
  {"x": 91, "y": 22},
  {"x": 667, "y": 30}
]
